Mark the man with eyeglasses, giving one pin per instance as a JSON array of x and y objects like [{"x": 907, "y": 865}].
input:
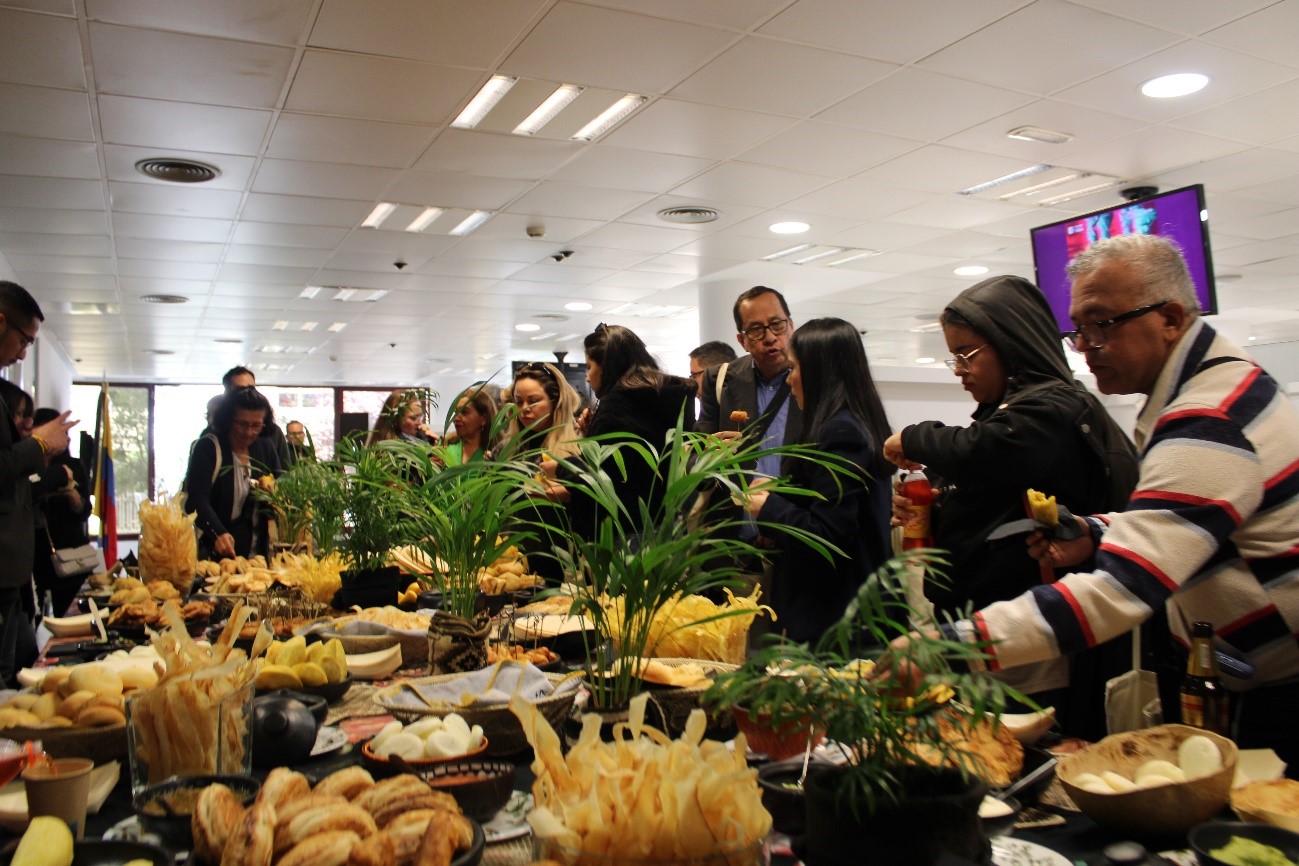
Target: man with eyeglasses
[
  {"x": 20, "y": 320},
  {"x": 1211, "y": 532},
  {"x": 714, "y": 353}
]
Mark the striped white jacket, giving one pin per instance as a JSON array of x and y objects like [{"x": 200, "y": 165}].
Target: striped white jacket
[{"x": 1212, "y": 530}]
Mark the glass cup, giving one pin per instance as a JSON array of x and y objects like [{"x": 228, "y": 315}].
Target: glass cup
[{"x": 175, "y": 730}]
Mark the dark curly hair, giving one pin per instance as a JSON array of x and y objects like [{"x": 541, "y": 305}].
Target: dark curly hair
[{"x": 240, "y": 398}]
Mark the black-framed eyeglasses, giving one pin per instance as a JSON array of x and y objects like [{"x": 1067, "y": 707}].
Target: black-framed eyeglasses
[
  {"x": 28, "y": 339},
  {"x": 1092, "y": 335},
  {"x": 960, "y": 361},
  {"x": 755, "y": 332}
]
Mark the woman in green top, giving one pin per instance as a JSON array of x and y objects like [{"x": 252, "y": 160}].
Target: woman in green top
[{"x": 475, "y": 411}]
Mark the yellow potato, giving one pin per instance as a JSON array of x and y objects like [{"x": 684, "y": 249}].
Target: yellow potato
[
  {"x": 316, "y": 652},
  {"x": 73, "y": 703},
  {"x": 334, "y": 672},
  {"x": 311, "y": 674},
  {"x": 277, "y": 677},
  {"x": 22, "y": 702},
  {"x": 46, "y": 705},
  {"x": 293, "y": 651}
]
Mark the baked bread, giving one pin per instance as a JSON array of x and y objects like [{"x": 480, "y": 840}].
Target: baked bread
[
  {"x": 282, "y": 787},
  {"x": 1273, "y": 802},
  {"x": 438, "y": 845},
  {"x": 349, "y": 782},
  {"x": 217, "y": 812},
  {"x": 377, "y": 850},
  {"x": 314, "y": 800},
  {"x": 323, "y": 820},
  {"x": 430, "y": 799},
  {"x": 407, "y": 832},
  {"x": 330, "y": 848},
  {"x": 253, "y": 841},
  {"x": 397, "y": 788}
]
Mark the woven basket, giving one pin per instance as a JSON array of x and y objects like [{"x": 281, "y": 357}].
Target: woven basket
[
  {"x": 675, "y": 704},
  {"x": 501, "y": 727},
  {"x": 100, "y": 745}
]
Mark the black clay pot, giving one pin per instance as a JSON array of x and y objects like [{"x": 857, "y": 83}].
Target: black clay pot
[
  {"x": 284, "y": 731},
  {"x": 937, "y": 814},
  {"x": 319, "y": 706}
]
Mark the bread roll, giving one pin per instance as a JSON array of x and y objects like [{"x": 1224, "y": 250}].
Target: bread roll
[
  {"x": 216, "y": 814},
  {"x": 138, "y": 677},
  {"x": 438, "y": 844},
  {"x": 314, "y": 800},
  {"x": 55, "y": 679},
  {"x": 283, "y": 786},
  {"x": 330, "y": 848},
  {"x": 397, "y": 787},
  {"x": 100, "y": 717},
  {"x": 437, "y": 800},
  {"x": 323, "y": 819},
  {"x": 99, "y": 679},
  {"x": 74, "y": 703},
  {"x": 349, "y": 782},
  {"x": 252, "y": 843},
  {"x": 377, "y": 850}
]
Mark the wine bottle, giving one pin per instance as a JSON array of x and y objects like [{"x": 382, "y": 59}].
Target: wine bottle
[{"x": 1204, "y": 699}]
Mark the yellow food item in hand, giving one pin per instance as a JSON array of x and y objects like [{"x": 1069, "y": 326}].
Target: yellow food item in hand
[
  {"x": 1044, "y": 509},
  {"x": 47, "y": 842}
]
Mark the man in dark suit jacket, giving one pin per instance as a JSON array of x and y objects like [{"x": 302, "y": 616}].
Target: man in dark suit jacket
[{"x": 20, "y": 320}]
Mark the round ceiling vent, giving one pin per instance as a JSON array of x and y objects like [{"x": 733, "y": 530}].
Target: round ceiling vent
[
  {"x": 177, "y": 170},
  {"x": 688, "y": 215},
  {"x": 164, "y": 299}
]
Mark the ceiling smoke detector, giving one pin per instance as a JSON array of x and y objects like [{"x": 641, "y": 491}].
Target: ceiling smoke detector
[
  {"x": 164, "y": 299},
  {"x": 689, "y": 215},
  {"x": 177, "y": 170}
]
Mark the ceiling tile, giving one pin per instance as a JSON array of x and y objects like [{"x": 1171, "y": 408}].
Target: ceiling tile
[
  {"x": 583, "y": 202},
  {"x": 231, "y": 272},
  {"x": 412, "y": 245},
  {"x": 234, "y": 170},
  {"x": 303, "y": 210},
  {"x": 736, "y": 14},
  {"x": 512, "y": 156},
  {"x": 956, "y": 212},
  {"x": 282, "y": 235},
  {"x": 557, "y": 230},
  {"x": 16, "y": 243},
  {"x": 199, "y": 69},
  {"x": 345, "y": 140},
  {"x": 600, "y": 165},
  {"x": 58, "y": 193},
  {"x": 181, "y": 125},
  {"x": 447, "y": 189},
  {"x": 455, "y": 32},
  {"x": 1285, "y": 191},
  {"x": 1259, "y": 118},
  {"x": 647, "y": 239},
  {"x": 858, "y": 199},
  {"x": 165, "y": 270},
  {"x": 45, "y": 112},
  {"x": 379, "y": 88},
  {"x": 290, "y": 257},
  {"x": 1271, "y": 32},
  {"x": 289, "y": 177},
  {"x": 728, "y": 215},
  {"x": 1236, "y": 170},
  {"x": 65, "y": 222},
  {"x": 607, "y": 48},
  {"x": 134, "y": 225},
  {"x": 160, "y": 199},
  {"x": 282, "y": 22},
  {"x": 470, "y": 268},
  {"x": 883, "y": 236},
  {"x": 935, "y": 168},
  {"x": 915, "y": 103},
  {"x": 1181, "y": 16},
  {"x": 1231, "y": 74},
  {"x": 42, "y": 50},
  {"x": 1056, "y": 45},
  {"x": 169, "y": 250},
  {"x": 48, "y": 157},
  {"x": 779, "y": 78},
  {"x": 823, "y": 148},
  {"x": 1088, "y": 128},
  {"x": 749, "y": 184},
  {"x": 695, "y": 130},
  {"x": 1153, "y": 150}
]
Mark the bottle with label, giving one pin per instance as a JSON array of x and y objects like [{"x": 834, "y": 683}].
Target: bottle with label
[
  {"x": 1204, "y": 699},
  {"x": 917, "y": 533}
]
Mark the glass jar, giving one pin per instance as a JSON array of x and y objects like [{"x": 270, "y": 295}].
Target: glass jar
[
  {"x": 755, "y": 854},
  {"x": 175, "y": 730}
]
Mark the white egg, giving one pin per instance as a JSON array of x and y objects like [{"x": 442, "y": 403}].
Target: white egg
[
  {"x": 1167, "y": 769},
  {"x": 1082, "y": 780},
  {"x": 1120, "y": 783},
  {"x": 457, "y": 725},
  {"x": 1199, "y": 756},
  {"x": 403, "y": 744},
  {"x": 424, "y": 727},
  {"x": 445, "y": 744},
  {"x": 384, "y": 733}
]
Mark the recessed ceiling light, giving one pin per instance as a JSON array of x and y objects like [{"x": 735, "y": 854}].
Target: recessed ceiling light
[
  {"x": 1005, "y": 178},
  {"x": 471, "y": 222},
  {"x": 337, "y": 326},
  {"x": 860, "y": 254},
  {"x": 788, "y": 251},
  {"x": 577, "y": 306},
  {"x": 824, "y": 254},
  {"x": 1037, "y": 133},
  {"x": 1177, "y": 84},
  {"x": 159, "y": 352},
  {"x": 233, "y": 341},
  {"x": 925, "y": 360},
  {"x": 310, "y": 292},
  {"x": 424, "y": 220},
  {"x": 927, "y": 328},
  {"x": 792, "y": 227},
  {"x": 970, "y": 271},
  {"x": 610, "y": 117},
  {"x": 484, "y": 101},
  {"x": 381, "y": 212},
  {"x": 308, "y": 326},
  {"x": 544, "y": 113},
  {"x": 82, "y": 308},
  {"x": 527, "y": 327},
  {"x": 164, "y": 299},
  {"x": 279, "y": 325}
]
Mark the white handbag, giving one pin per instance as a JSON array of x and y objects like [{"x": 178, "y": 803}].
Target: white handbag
[{"x": 74, "y": 561}]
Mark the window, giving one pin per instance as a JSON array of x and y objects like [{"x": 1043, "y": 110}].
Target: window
[{"x": 129, "y": 405}]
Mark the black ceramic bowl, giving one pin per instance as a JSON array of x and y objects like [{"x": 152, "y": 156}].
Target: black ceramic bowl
[
  {"x": 782, "y": 796},
  {"x": 1212, "y": 835},
  {"x": 480, "y": 787},
  {"x": 98, "y": 853},
  {"x": 329, "y": 691},
  {"x": 174, "y": 830},
  {"x": 998, "y": 825}
]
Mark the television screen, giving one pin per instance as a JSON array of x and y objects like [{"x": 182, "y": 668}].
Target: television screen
[{"x": 1178, "y": 215}]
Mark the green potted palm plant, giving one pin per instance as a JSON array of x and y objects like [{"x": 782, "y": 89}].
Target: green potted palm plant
[
  {"x": 643, "y": 556},
  {"x": 372, "y": 480},
  {"x": 905, "y": 781},
  {"x": 309, "y": 502}
]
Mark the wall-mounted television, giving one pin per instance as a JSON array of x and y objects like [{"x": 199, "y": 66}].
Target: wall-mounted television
[{"x": 1178, "y": 215}]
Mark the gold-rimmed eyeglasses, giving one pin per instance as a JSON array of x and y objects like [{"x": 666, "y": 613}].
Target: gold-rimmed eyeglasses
[{"x": 961, "y": 361}]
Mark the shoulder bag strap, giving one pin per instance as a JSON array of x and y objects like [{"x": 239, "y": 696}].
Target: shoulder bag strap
[
  {"x": 764, "y": 421},
  {"x": 216, "y": 445},
  {"x": 721, "y": 379}
]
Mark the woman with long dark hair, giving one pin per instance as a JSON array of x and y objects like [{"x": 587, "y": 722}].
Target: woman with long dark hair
[
  {"x": 843, "y": 416},
  {"x": 474, "y": 414},
  {"x": 62, "y": 500},
  {"x": 223, "y": 467}
]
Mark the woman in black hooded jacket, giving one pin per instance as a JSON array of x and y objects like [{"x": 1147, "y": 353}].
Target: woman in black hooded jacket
[{"x": 1035, "y": 427}]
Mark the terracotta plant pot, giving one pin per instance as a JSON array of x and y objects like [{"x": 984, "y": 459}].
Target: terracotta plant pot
[{"x": 777, "y": 743}]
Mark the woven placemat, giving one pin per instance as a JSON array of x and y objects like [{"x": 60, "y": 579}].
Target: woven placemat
[
  {"x": 1056, "y": 796},
  {"x": 359, "y": 701},
  {"x": 513, "y": 852}
]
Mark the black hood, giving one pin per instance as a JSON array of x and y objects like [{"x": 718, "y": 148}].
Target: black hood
[{"x": 1012, "y": 314}]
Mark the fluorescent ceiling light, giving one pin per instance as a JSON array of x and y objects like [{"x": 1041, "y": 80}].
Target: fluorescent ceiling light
[
  {"x": 1004, "y": 179},
  {"x": 381, "y": 212},
  {"x": 577, "y": 306},
  {"x": 527, "y": 327},
  {"x": 787, "y": 252},
  {"x": 927, "y": 328},
  {"x": 970, "y": 271},
  {"x": 309, "y": 292},
  {"x": 424, "y": 220},
  {"x": 546, "y": 336},
  {"x": 280, "y": 325},
  {"x": 793, "y": 227},
  {"x": 484, "y": 101},
  {"x": 546, "y": 111},
  {"x": 1037, "y": 133},
  {"x": 308, "y": 326},
  {"x": 608, "y": 118},
  {"x": 1077, "y": 193},
  {"x": 337, "y": 326},
  {"x": 861, "y": 254},
  {"x": 825, "y": 254},
  {"x": 1177, "y": 84},
  {"x": 83, "y": 308},
  {"x": 471, "y": 222},
  {"x": 925, "y": 360},
  {"x": 344, "y": 293},
  {"x": 1046, "y": 184}
]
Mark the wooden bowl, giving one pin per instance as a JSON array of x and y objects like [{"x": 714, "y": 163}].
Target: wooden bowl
[
  {"x": 1163, "y": 811},
  {"x": 382, "y": 768}
]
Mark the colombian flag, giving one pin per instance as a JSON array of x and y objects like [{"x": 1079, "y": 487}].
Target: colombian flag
[{"x": 105, "y": 489}]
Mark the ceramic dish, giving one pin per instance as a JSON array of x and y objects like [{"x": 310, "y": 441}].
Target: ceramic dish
[
  {"x": 382, "y": 767},
  {"x": 511, "y": 822},
  {"x": 1008, "y": 851},
  {"x": 328, "y": 740}
]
